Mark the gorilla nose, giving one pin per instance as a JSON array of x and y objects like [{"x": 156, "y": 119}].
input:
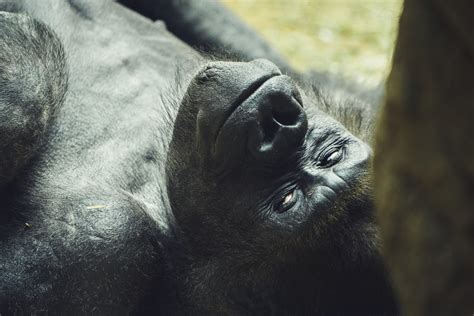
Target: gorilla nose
[
  {"x": 280, "y": 123},
  {"x": 246, "y": 108}
]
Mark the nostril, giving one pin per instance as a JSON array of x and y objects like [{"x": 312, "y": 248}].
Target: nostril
[
  {"x": 278, "y": 120},
  {"x": 286, "y": 111},
  {"x": 283, "y": 114},
  {"x": 285, "y": 117},
  {"x": 269, "y": 130}
]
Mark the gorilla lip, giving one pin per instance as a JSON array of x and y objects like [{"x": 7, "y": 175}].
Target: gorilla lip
[{"x": 246, "y": 93}]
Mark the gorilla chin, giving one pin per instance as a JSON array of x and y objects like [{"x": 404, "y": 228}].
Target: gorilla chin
[{"x": 272, "y": 200}]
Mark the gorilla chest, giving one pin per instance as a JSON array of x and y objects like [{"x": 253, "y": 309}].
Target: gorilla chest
[
  {"x": 88, "y": 245},
  {"x": 83, "y": 224}
]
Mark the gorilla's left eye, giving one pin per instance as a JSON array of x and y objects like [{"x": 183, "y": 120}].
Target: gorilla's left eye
[
  {"x": 331, "y": 158},
  {"x": 286, "y": 202}
]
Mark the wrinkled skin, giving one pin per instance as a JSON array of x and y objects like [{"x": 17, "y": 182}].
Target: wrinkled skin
[{"x": 157, "y": 181}]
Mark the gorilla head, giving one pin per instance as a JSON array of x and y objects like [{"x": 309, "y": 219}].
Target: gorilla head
[{"x": 271, "y": 199}]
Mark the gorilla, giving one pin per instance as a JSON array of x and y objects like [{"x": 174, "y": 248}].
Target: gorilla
[{"x": 140, "y": 176}]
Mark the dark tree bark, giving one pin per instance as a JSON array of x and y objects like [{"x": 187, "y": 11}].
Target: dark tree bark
[{"x": 424, "y": 165}]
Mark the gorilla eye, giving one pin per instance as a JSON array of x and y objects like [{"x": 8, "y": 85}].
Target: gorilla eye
[
  {"x": 331, "y": 158},
  {"x": 286, "y": 202}
]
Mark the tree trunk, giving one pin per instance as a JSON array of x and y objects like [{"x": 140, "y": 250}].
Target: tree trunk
[{"x": 424, "y": 165}]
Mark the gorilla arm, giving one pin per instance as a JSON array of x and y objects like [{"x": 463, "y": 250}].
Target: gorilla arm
[
  {"x": 210, "y": 26},
  {"x": 33, "y": 82}
]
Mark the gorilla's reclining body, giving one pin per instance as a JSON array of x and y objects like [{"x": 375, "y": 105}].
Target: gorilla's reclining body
[{"x": 137, "y": 176}]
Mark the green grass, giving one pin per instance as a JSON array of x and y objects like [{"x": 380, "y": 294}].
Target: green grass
[{"x": 352, "y": 37}]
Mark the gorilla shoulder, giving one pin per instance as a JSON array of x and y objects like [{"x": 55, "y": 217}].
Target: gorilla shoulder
[{"x": 33, "y": 81}]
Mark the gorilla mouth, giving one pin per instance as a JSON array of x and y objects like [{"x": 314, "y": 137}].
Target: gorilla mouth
[{"x": 244, "y": 95}]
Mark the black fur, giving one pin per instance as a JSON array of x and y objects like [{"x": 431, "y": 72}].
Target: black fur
[
  {"x": 33, "y": 81},
  {"x": 114, "y": 200}
]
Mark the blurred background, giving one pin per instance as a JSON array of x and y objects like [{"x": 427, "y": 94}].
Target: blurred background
[{"x": 352, "y": 37}]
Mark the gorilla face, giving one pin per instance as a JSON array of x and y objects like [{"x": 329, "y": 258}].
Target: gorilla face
[{"x": 272, "y": 198}]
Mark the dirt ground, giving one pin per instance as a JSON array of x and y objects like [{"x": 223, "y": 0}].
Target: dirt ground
[{"x": 352, "y": 37}]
